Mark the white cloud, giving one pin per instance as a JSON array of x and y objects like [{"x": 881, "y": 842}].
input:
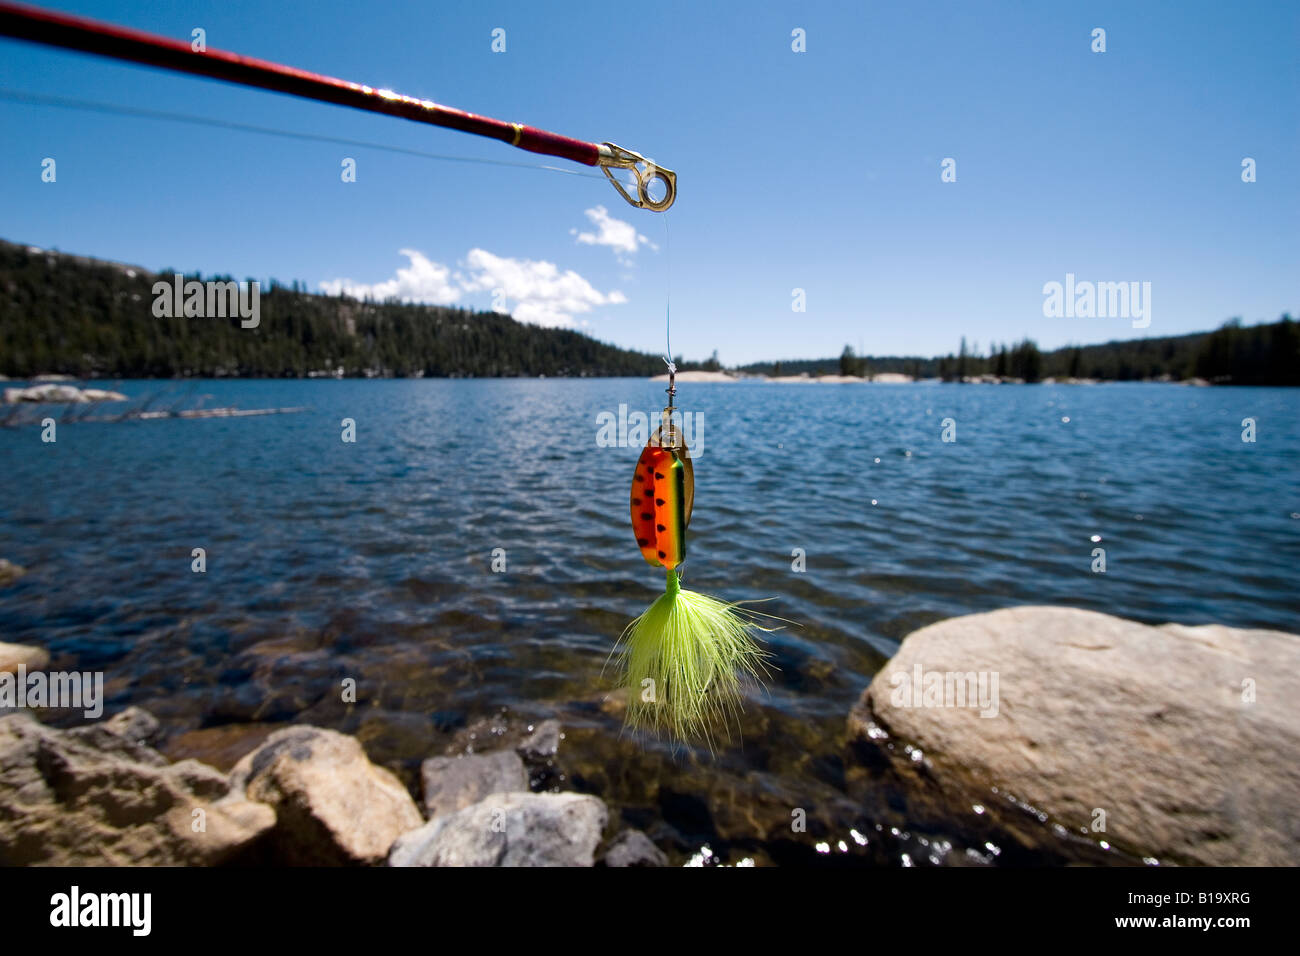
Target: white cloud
[
  {"x": 620, "y": 236},
  {"x": 543, "y": 295},
  {"x": 534, "y": 291},
  {"x": 423, "y": 281}
]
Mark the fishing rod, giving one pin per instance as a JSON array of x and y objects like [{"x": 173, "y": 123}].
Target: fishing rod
[{"x": 106, "y": 39}]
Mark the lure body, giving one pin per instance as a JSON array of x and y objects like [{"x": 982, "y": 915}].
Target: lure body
[
  {"x": 663, "y": 489},
  {"x": 684, "y": 658}
]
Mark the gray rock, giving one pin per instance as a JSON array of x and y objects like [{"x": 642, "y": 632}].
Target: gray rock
[
  {"x": 634, "y": 848},
  {"x": 1188, "y": 738},
  {"x": 333, "y": 806},
  {"x": 102, "y": 395},
  {"x": 509, "y": 829},
  {"x": 134, "y": 723},
  {"x": 128, "y": 734},
  {"x": 542, "y": 743},
  {"x": 66, "y": 802},
  {"x": 50, "y": 393},
  {"x": 108, "y": 743},
  {"x": 453, "y": 783},
  {"x": 14, "y": 655}
]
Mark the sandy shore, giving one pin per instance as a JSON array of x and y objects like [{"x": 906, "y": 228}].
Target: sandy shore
[
  {"x": 701, "y": 377},
  {"x": 884, "y": 378}
]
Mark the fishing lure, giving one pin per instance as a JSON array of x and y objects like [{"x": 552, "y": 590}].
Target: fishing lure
[{"x": 685, "y": 658}]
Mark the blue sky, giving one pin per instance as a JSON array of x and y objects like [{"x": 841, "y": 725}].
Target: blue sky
[{"x": 817, "y": 170}]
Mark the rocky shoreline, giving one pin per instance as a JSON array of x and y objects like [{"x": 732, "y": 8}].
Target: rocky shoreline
[
  {"x": 55, "y": 394},
  {"x": 101, "y": 795},
  {"x": 1031, "y": 734}
]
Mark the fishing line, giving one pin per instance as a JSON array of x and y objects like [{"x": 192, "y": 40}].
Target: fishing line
[
  {"x": 668, "y": 359},
  {"x": 668, "y": 297},
  {"x": 92, "y": 106}
]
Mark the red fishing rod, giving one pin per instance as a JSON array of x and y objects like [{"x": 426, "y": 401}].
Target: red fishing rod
[{"x": 106, "y": 39}]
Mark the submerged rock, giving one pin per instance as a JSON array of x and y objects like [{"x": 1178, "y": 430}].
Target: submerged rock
[
  {"x": 12, "y": 656},
  {"x": 509, "y": 829},
  {"x": 222, "y": 746},
  {"x": 333, "y": 806},
  {"x": 634, "y": 848},
  {"x": 453, "y": 783},
  {"x": 10, "y": 572},
  {"x": 543, "y": 742},
  {"x": 1182, "y": 742},
  {"x": 539, "y": 751},
  {"x": 93, "y": 797}
]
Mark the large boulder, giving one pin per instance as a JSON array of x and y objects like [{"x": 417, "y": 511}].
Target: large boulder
[
  {"x": 14, "y": 655},
  {"x": 1186, "y": 739},
  {"x": 453, "y": 783},
  {"x": 333, "y": 806},
  {"x": 509, "y": 829},
  {"x": 93, "y": 797}
]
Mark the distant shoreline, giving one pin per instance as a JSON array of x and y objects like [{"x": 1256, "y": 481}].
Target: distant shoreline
[
  {"x": 897, "y": 378},
  {"x": 696, "y": 377}
]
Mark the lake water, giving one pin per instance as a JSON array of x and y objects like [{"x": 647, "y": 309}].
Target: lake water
[{"x": 373, "y": 560}]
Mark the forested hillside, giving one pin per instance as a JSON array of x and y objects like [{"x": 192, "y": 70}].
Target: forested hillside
[
  {"x": 76, "y": 316},
  {"x": 1267, "y": 354}
]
